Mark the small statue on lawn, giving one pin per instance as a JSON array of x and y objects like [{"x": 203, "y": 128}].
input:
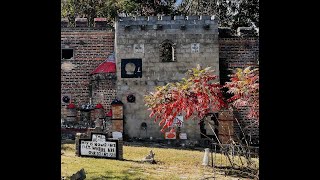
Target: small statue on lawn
[{"x": 150, "y": 158}]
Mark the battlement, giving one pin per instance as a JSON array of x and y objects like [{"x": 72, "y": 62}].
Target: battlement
[
  {"x": 226, "y": 32},
  {"x": 184, "y": 23},
  {"x": 83, "y": 23}
]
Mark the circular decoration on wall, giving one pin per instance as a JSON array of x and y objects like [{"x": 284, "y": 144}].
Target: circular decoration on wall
[
  {"x": 130, "y": 68},
  {"x": 66, "y": 99},
  {"x": 131, "y": 98},
  {"x": 67, "y": 66}
]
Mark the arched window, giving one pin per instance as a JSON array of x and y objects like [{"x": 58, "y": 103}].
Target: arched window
[{"x": 167, "y": 51}]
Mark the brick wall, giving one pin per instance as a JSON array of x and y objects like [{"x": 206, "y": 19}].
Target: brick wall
[
  {"x": 104, "y": 91},
  {"x": 239, "y": 52},
  {"x": 249, "y": 126},
  {"x": 91, "y": 46}
]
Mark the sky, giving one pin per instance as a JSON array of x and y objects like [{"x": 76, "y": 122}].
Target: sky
[{"x": 178, "y": 2}]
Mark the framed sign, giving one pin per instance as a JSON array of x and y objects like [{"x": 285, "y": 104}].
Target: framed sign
[
  {"x": 182, "y": 135},
  {"x": 170, "y": 135},
  {"x": 138, "y": 48},
  {"x": 195, "y": 48},
  {"x": 99, "y": 146},
  {"x": 131, "y": 68}
]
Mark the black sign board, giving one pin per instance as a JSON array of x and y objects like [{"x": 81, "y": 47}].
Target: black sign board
[{"x": 131, "y": 68}]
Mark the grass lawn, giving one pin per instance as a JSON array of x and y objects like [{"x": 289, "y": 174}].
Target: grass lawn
[{"x": 171, "y": 164}]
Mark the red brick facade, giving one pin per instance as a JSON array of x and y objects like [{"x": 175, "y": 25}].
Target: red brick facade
[
  {"x": 239, "y": 52},
  {"x": 90, "y": 48}
]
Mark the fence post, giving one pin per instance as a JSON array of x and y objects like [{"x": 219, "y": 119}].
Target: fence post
[
  {"x": 205, "y": 161},
  {"x": 212, "y": 152}
]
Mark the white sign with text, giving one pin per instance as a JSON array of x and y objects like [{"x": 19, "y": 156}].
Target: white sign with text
[{"x": 98, "y": 147}]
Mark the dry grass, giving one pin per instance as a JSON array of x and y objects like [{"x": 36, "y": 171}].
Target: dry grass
[{"x": 171, "y": 164}]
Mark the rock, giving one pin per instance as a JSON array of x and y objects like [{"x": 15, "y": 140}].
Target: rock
[{"x": 80, "y": 175}]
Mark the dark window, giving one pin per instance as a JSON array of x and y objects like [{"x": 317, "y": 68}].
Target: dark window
[
  {"x": 167, "y": 51},
  {"x": 67, "y": 53}
]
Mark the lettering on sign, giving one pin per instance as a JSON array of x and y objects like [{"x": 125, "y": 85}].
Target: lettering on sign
[
  {"x": 183, "y": 136},
  {"x": 99, "y": 146}
]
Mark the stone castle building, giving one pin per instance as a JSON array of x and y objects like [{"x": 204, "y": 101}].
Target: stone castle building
[{"x": 100, "y": 65}]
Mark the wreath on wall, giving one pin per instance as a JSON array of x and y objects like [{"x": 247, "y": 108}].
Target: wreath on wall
[
  {"x": 131, "y": 98},
  {"x": 66, "y": 99}
]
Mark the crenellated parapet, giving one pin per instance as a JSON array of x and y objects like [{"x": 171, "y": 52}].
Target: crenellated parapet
[
  {"x": 168, "y": 23},
  {"x": 99, "y": 23}
]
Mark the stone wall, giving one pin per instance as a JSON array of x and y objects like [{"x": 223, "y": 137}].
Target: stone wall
[{"x": 140, "y": 39}]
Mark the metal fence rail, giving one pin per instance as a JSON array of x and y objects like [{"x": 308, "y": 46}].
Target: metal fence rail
[{"x": 235, "y": 158}]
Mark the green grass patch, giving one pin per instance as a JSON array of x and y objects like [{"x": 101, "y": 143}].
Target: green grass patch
[{"x": 171, "y": 164}]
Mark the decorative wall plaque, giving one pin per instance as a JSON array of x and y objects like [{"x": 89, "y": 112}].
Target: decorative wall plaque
[
  {"x": 195, "y": 47},
  {"x": 131, "y": 68},
  {"x": 67, "y": 66},
  {"x": 138, "y": 48}
]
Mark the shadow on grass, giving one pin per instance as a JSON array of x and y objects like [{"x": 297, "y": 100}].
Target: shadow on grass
[
  {"x": 142, "y": 162},
  {"x": 135, "y": 161},
  {"x": 67, "y": 148},
  {"x": 242, "y": 172},
  {"x": 163, "y": 146},
  {"x": 132, "y": 173}
]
